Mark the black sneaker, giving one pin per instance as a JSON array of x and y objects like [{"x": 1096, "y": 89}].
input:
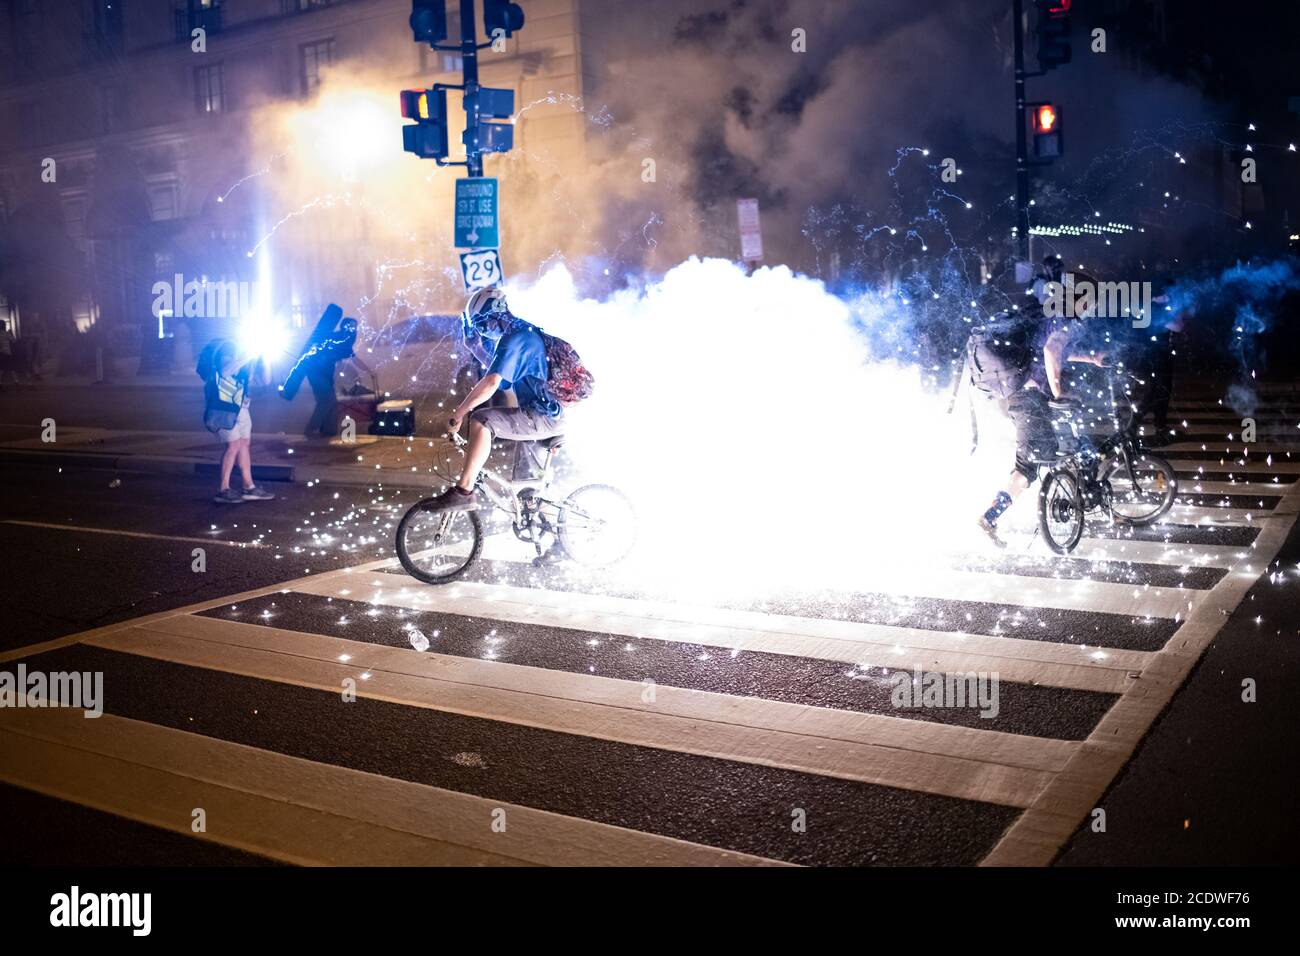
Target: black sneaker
[
  {"x": 256, "y": 493},
  {"x": 453, "y": 499},
  {"x": 229, "y": 497}
]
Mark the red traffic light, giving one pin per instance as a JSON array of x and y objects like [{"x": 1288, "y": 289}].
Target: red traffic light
[
  {"x": 415, "y": 104},
  {"x": 1061, "y": 8},
  {"x": 1045, "y": 118}
]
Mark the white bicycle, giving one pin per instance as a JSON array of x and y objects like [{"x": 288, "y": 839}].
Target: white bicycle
[{"x": 594, "y": 525}]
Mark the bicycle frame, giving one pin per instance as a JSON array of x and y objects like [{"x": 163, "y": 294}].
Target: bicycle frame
[{"x": 505, "y": 493}]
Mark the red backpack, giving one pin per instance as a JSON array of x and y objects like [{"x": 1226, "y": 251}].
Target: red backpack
[{"x": 567, "y": 379}]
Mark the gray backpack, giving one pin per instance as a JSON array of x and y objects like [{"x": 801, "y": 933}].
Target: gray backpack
[{"x": 999, "y": 354}]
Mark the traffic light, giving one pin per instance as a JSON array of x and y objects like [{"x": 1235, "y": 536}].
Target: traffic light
[
  {"x": 428, "y": 137},
  {"x": 429, "y": 20},
  {"x": 1053, "y": 33},
  {"x": 502, "y": 15},
  {"x": 489, "y": 138},
  {"x": 1045, "y": 125},
  {"x": 492, "y": 103}
]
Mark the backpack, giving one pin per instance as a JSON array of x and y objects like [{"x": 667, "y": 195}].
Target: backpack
[
  {"x": 567, "y": 379},
  {"x": 999, "y": 354}
]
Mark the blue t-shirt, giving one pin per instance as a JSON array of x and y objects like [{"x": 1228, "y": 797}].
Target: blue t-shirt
[{"x": 520, "y": 360}]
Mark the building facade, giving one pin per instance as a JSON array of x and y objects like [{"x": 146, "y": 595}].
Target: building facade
[{"x": 149, "y": 139}]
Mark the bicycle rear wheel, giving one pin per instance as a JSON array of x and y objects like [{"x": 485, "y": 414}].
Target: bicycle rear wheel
[
  {"x": 437, "y": 547},
  {"x": 597, "y": 525},
  {"x": 1143, "y": 487},
  {"x": 1060, "y": 511}
]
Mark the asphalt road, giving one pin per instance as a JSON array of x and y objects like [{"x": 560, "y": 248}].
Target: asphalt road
[
  {"x": 124, "y": 405},
  {"x": 521, "y": 701}
]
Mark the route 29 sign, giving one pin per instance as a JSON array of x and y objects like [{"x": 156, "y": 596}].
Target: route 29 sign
[{"x": 480, "y": 268}]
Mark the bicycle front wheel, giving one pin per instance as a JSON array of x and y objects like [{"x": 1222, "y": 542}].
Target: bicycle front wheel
[
  {"x": 438, "y": 546},
  {"x": 1143, "y": 487},
  {"x": 597, "y": 525},
  {"x": 1061, "y": 511}
]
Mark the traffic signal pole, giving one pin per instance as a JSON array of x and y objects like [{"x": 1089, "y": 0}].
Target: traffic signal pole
[
  {"x": 469, "y": 58},
  {"x": 1022, "y": 139}
]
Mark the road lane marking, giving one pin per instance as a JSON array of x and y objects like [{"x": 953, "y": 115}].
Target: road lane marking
[
  {"x": 924, "y": 756},
  {"x": 67, "y": 640},
  {"x": 304, "y": 812},
  {"x": 1072, "y": 666},
  {"x": 1039, "y": 833},
  {"x": 133, "y": 534}
]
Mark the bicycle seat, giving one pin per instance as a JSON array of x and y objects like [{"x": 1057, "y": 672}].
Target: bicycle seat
[{"x": 555, "y": 441}]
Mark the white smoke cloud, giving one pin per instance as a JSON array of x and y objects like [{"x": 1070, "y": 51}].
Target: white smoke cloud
[{"x": 761, "y": 443}]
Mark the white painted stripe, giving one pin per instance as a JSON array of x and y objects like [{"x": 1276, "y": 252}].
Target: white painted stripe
[
  {"x": 133, "y": 534},
  {"x": 1079, "y": 594},
  {"x": 869, "y": 645},
  {"x": 1262, "y": 489},
  {"x": 1213, "y": 515},
  {"x": 1255, "y": 467},
  {"x": 1255, "y": 451},
  {"x": 916, "y": 755},
  {"x": 1143, "y": 552},
  {"x": 69, "y": 639},
  {"x": 1038, "y": 834},
  {"x": 303, "y": 812},
  {"x": 1033, "y": 593}
]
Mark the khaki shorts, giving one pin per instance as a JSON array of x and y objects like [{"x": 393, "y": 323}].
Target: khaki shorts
[{"x": 519, "y": 424}]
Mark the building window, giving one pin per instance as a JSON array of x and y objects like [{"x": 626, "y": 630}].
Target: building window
[
  {"x": 315, "y": 58},
  {"x": 198, "y": 14},
  {"x": 210, "y": 89},
  {"x": 162, "y": 201}
]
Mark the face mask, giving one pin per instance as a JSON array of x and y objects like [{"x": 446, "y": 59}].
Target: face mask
[{"x": 491, "y": 331}]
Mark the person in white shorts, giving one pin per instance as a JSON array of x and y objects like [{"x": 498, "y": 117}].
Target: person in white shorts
[{"x": 225, "y": 391}]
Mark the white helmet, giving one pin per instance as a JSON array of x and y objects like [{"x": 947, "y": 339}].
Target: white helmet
[{"x": 484, "y": 304}]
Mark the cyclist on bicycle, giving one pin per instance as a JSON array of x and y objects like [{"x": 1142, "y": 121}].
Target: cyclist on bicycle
[
  {"x": 1038, "y": 370},
  {"x": 518, "y": 364}
]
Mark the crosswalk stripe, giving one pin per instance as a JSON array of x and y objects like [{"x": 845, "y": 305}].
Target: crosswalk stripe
[
  {"x": 1227, "y": 475},
  {"x": 1261, "y": 488},
  {"x": 1136, "y": 551},
  {"x": 915, "y": 755},
  {"x": 1253, "y": 466},
  {"x": 1078, "y": 594},
  {"x": 875, "y": 645},
  {"x": 305, "y": 812},
  {"x": 1231, "y": 450},
  {"x": 1207, "y": 514},
  {"x": 1038, "y": 834},
  {"x": 1229, "y": 433},
  {"x": 959, "y": 555}
]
